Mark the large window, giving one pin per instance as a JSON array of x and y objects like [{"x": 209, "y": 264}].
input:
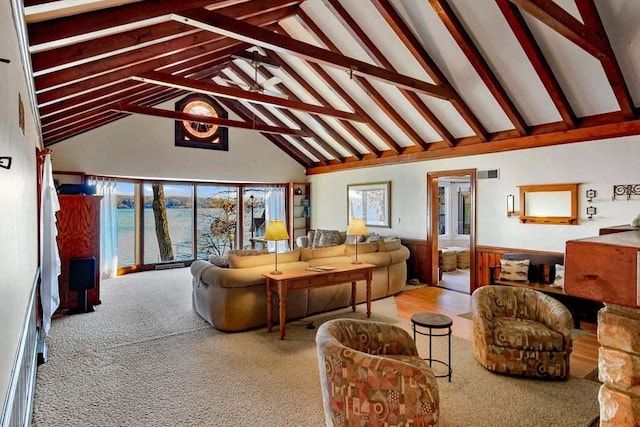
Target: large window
[
  {"x": 165, "y": 222},
  {"x": 217, "y": 219},
  {"x": 168, "y": 222},
  {"x": 126, "y": 205}
]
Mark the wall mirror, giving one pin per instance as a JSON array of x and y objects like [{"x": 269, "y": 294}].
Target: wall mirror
[{"x": 549, "y": 204}]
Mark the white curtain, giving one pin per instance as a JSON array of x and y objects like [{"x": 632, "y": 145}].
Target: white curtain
[
  {"x": 108, "y": 227},
  {"x": 275, "y": 209},
  {"x": 49, "y": 255}
]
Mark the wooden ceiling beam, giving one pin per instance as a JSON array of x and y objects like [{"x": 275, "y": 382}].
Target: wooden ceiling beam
[
  {"x": 165, "y": 79},
  {"x": 411, "y": 42},
  {"x": 269, "y": 11},
  {"x": 101, "y": 119},
  {"x": 528, "y": 43},
  {"x": 322, "y": 158},
  {"x": 610, "y": 65},
  {"x": 515, "y": 142},
  {"x": 222, "y": 47},
  {"x": 115, "y": 92},
  {"x": 366, "y": 86},
  {"x": 178, "y": 116},
  {"x": 378, "y": 57},
  {"x": 148, "y": 53},
  {"x": 317, "y": 119},
  {"x": 61, "y": 28},
  {"x": 240, "y": 30},
  {"x": 69, "y": 117},
  {"x": 85, "y": 127},
  {"x": 314, "y": 30},
  {"x": 339, "y": 91},
  {"x": 278, "y": 140},
  {"x": 554, "y": 16},
  {"x": 473, "y": 54},
  {"x": 306, "y": 85}
]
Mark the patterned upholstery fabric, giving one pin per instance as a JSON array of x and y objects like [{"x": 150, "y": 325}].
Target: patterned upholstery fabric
[
  {"x": 521, "y": 331},
  {"x": 371, "y": 375}
]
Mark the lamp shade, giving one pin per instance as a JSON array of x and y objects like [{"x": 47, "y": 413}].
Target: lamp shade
[
  {"x": 357, "y": 227},
  {"x": 276, "y": 230}
]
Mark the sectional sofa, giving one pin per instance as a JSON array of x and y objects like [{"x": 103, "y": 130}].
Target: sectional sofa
[{"x": 234, "y": 298}]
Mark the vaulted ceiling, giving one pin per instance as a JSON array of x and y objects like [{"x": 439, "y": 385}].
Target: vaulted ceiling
[{"x": 357, "y": 82}]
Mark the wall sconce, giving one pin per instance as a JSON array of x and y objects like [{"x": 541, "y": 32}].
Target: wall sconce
[
  {"x": 5, "y": 162},
  {"x": 626, "y": 190},
  {"x": 591, "y": 211},
  {"x": 510, "y": 205},
  {"x": 590, "y": 195}
]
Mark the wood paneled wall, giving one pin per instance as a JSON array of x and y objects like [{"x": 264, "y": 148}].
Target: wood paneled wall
[{"x": 419, "y": 267}]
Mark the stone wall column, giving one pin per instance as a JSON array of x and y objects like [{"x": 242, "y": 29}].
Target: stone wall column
[{"x": 619, "y": 366}]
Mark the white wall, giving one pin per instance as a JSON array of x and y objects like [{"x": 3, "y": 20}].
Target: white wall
[
  {"x": 18, "y": 199},
  {"x": 143, "y": 147},
  {"x": 598, "y": 165}
]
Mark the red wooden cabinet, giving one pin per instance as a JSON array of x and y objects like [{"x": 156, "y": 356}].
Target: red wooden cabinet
[
  {"x": 78, "y": 223},
  {"x": 604, "y": 268}
]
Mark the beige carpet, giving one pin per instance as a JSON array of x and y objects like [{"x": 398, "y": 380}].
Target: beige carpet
[{"x": 144, "y": 358}]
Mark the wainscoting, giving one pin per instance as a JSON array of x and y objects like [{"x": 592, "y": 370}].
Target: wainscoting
[
  {"x": 18, "y": 404},
  {"x": 419, "y": 265}
]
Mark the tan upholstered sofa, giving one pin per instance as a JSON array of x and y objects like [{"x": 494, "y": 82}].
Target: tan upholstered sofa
[{"x": 234, "y": 298}]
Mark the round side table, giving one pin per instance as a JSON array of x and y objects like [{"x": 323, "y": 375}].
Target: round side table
[{"x": 431, "y": 322}]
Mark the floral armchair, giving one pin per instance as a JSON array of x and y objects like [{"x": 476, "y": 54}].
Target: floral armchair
[
  {"x": 521, "y": 331},
  {"x": 371, "y": 375}
]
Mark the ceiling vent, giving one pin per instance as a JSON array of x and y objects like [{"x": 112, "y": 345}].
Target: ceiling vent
[{"x": 488, "y": 174}]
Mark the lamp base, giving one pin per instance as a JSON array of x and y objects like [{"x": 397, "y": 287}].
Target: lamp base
[
  {"x": 276, "y": 272},
  {"x": 356, "y": 262}
]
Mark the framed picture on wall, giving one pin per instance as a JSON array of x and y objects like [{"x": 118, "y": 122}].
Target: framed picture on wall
[{"x": 371, "y": 202}]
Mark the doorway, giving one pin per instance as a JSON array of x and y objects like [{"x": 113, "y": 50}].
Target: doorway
[{"x": 451, "y": 228}]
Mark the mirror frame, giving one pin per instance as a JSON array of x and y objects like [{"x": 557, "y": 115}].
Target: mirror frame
[{"x": 566, "y": 220}]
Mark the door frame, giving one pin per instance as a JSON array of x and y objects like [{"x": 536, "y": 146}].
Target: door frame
[{"x": 432, "y": 222}]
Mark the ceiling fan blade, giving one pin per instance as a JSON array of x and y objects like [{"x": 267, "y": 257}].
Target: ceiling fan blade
[
  {"x": 274, "y": 93},
  {"x": 235, "y": 83},
  {"x": 271, "y": 82}
]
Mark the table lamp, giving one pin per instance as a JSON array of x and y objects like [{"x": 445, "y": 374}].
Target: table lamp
[
  {"x": 357, "y": 228},
  {"x": 276, "y": 231}
]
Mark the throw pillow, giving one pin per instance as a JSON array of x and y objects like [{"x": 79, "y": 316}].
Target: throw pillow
[
  {"x": 517, "y": 271},
  {"x": 353, "y": 239},
  {"x": 247, "y": 252},
  {"x": 372, "y": 237},
  {"x": 329, "y": 238},
  {"x": 558, "y": 282},
  {"x": 388, "y": 245},
  {"x": 222, "y": 262}
]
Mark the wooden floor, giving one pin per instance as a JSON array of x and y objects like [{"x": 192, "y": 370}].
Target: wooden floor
[
  {"x": 584, "y": 358},
  {"x": 456, "y": 280}
]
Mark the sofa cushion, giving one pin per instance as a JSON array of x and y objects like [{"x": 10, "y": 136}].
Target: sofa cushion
[
  {"x": 332, "y": 260},
  {"x": 238, "y": 261},
  {"x": 222, "y": 262},
  {"x": 363, "y": 248},
  {"x": 388, "y": 245},
  {"x": 526, "y": 334},
  {"x": 326, "y": 238},
  {"x": 379, "y": 259},
  {"x": 330, "y": 251}
]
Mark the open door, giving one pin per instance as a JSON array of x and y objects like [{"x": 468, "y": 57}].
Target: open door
[{"x": 434, "y": 224}]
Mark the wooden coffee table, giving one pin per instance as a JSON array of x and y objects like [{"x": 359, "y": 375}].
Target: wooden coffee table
[{"x": 296, "y": 280}]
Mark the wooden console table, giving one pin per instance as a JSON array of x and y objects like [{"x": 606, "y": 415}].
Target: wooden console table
[{"x": 296, "y": 280}]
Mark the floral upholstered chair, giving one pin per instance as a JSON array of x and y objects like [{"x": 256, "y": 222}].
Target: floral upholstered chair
[
  {"x": 371, "y": 375},
  {"x": 521, "y": 331}
]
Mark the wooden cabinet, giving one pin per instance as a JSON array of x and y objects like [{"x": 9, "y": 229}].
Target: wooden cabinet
[
  {"x": 299, "y": 210},
  {"x": 78, "y": 224},
  {"x": 604, "y": 268}
]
